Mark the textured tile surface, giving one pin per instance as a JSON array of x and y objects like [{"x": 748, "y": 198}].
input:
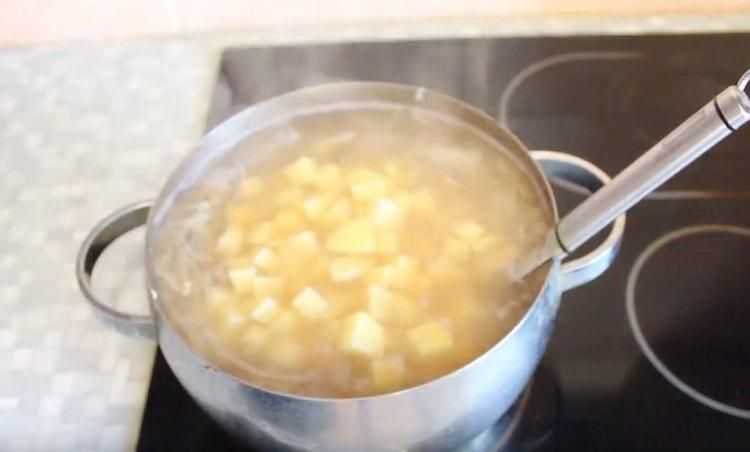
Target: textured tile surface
[{"x": 83, "y": 130}]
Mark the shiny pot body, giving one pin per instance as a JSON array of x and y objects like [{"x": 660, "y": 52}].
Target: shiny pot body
[{"x": 439, "y": 415}]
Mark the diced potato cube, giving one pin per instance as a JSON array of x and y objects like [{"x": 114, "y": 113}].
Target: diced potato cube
[
  {"x": 315, "y": 207},
  {"x": 422, "y": 203},
  {"x": 388, "y": 214},
  {"x": 347, "y": 269},
  {"x": 457, "y": 249},
  {"x": 288, "y": 353},
  {"x": 405, "y": 271},
  {"x": 402, "y": 273},
  {"x": 302, "y": 171},
  {"x": 447, "y": 273},
  {"x": 362, "y": 335},
  {"x": 391, "y": 307},
  {"x": 286, "y": 223},
  {"x": 382, "y": 275},
  {"x": 354, "y": 236},
  {"x": 369, "y": 190},
  {"x": 229, "y": 243},
  {"x": 261, "y": 234},
  {"x": 251, "y": 186},
  {"x": 267, "y": 287},
  {"x": 430, "y": 339},
  {"x": 228, "y": 318},
  {"x": 265, "y": 259},
  {"x": 301, "y": 246},
  {"x": 339, "y": 212},
  {"x": 382, "y": 304},
  {"x": 265, "y": 311},
  {"x": 328, "y": 178},
  {"x": 386, "y": 243},
  {"x": 255, "y": 339},
  {"x": 290, "y": 197},
  {"x": 387, "y": 374},
  {"x": 310, "y": 304},
  {"x": 242, "y": 279},
  {"x": 286, "y": 322},
  {"x": 469, "y": 230}
]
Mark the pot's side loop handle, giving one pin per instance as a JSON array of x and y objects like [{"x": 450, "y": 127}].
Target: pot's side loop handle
[
  {"x": 587, "y": 175},
  {"x": 103, "y": 234}
]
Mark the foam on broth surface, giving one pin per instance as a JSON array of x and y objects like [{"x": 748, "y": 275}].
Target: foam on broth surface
[{"x": 351, "y": 253}]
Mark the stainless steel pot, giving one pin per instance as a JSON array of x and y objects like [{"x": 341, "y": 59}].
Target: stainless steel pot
[{"x": 441, "y": 414}]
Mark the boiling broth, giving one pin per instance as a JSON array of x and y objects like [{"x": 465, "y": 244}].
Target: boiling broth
[{"x": 352, "y": 263}]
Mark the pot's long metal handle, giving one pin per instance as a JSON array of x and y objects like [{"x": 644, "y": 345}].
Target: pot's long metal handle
[
  {"x": 103, "y": 234},
  {"x": 587, "y": 175},
  {"x": 699, "y": 133}
]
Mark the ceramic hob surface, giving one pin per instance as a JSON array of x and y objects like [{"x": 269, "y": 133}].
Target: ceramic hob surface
[{"x": 655, "y": 354}]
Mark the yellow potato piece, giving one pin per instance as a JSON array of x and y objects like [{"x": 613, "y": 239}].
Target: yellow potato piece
[
  {"x": 347, "y": 269},
  {"x": 302, "y": 171},
  {"x": 362, "y": 335},
  {"x": 230, "y": 242},
  {"x": 401, "y": 273},
  {"x": 382, "y": 304},
  {"x": 469, "y": 230},
  {"x": 338, "y": 213},
  {"x": 265, "y": 311},
  {"x": 405, "y": 272},
  {"x": 388, "y": 214},
  {"x": 316, "y": 207},
  {"x": 266, "y": 259},
  {"x": 387, "y": 374},
  {"x": 251, "y": 186},
  {"x": 310, "y": 304},
  {"x": 243, "y": 279},
  {"x": 391, "y": 307},
  {"x": 354, "y": 236},
  {"x": 301, "y": 246},
  {"x": 430, "y": 339},
  {"x": 287, "y": 322},
  {"x": 228, "y": 318}
]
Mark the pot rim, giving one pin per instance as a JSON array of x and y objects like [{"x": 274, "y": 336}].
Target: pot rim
[{"x": 235, "y": 129}]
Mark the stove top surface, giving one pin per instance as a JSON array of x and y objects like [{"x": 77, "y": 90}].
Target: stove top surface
[{"x": 653, "y": 355}]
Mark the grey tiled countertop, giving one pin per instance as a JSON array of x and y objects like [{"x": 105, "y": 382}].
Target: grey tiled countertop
[{"x": 85, "y": 129}]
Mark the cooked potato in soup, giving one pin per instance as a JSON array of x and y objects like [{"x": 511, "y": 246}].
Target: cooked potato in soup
[{"x": 358, "y": 263}]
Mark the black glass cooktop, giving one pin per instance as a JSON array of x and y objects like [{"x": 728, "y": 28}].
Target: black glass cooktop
[{"x": 678, "y": 291}]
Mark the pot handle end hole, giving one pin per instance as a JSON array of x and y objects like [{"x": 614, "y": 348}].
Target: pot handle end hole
[
  {"x": 103, "y": 234},
  {"x": 582, "y": 174}
]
